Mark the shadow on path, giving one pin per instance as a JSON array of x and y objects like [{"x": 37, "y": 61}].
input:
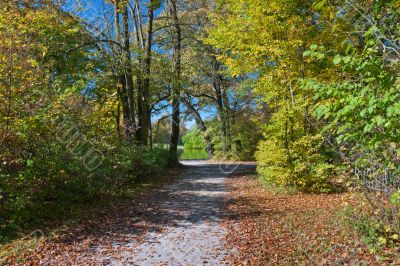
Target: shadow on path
[{"x": 176, "y": 224}]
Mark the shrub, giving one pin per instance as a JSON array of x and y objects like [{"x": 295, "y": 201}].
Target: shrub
[
  {"x": 55, "y": 179},
  {"x": 301, "y": 164},
  {"x": 376, "y": 233},
  {"x": 193, "y": 139}
]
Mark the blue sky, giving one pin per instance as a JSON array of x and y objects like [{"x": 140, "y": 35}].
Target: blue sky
[{"x": 94, "y": 12}]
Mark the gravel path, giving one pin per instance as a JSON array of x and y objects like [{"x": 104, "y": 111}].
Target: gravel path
[{"x": 191, "y": 232}]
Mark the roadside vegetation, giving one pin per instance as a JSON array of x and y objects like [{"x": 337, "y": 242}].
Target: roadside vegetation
[{"x": 328, "y": 72}]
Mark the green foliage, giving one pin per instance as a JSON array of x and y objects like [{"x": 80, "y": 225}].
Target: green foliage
[
  {"x": 193, "y": 154},
  {"x": 272, "y": 163},
  {"x": 246, "y": 134},
  {"x": 193, "y": 139},
  {"x": 395, "y": 198},
  {"x": 376, "y": 234},
  {"x": 243, "y": 137},
  {"x": 54, "y": 179},
  {"x": 358, "y": 109},
  {"x": 363, "y": 111},
  {"x": 302, "y": 165},
  {"x": 272, "y": 45},
  {"x": 59, "y": 145}
]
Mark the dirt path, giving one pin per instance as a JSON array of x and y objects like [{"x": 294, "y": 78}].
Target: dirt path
[
  {"x": 213, "y": 215},
  {"x": 192, "y": 234},
  {"x": 177, "y": 224}
]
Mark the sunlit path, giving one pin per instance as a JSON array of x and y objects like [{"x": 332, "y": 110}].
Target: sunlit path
[{"x": 191, "y": 234}]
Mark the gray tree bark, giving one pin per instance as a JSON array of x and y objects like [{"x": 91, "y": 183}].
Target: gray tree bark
[{"x": 177, "y": 43}]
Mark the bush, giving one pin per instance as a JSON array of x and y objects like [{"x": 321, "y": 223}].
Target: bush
[
  {"x": 377, "y": 234},
  {"x": 55, "y": 179},
  {"x": 272, "y": 163},
  {"x": 301, "y": 165},
  {"x": 193, "y": 139}
]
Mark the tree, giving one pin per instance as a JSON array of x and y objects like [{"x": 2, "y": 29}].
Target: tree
[
  {"x": 176, "y": 87},
  {"x": 270, "y": 49}
]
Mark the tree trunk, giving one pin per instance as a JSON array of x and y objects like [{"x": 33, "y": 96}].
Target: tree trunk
[
  {"x": 175, "y": 125},
  {"x": 217, "y": 80},
  {"x": 122, "y": 86},
  {"x": 124, "y": 102},
  {"x": 227, "y": 117},
  {"x": 146, "y": 116},
  {"x": 143, "y": 77},
  {"x": 118, "y": 119},
  {"x": 128, "y": 74},
  {"x": 139, "y": 79}
]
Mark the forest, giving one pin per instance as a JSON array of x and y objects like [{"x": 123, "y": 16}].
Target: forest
[{"x": 97, "y": 98}]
